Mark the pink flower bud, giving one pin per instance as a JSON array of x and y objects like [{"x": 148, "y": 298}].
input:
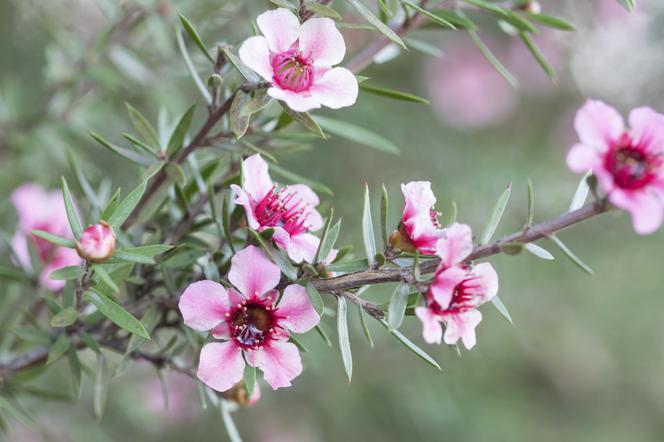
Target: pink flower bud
[{"x": 97, "y": 243}]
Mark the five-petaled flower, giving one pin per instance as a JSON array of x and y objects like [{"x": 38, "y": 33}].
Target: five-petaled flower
[
  {"x": 290, "y": 211},
  {"x": 97, "y": 243},
  {"x": 41, "y": 210},
  {"x": 456, "y": 291},
  {"x": 628, "y": 164},
  {"x": 297, "y": 60},
  {"x": 419, "y": 229},
  {"x": 250, "y": 321}
]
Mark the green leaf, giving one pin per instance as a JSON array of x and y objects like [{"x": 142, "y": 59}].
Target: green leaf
[
  {"x": 123, "y": 152},
  {"x": 66, "y": 317},
  {"x": 431, "y": 16},
  {"x": 357, "y": 134},
  {"x": 195, "y": 37},
  {"x": 111, "y": 206},
  {"x": 100, "y": 391},
  {"x": 149, "y": 250},
  {"x": 143, "y": 128},
  {"x": 292, "y": 176},
  {"x": 491, "y": 58},
  {"x": 76, "y": 372},
  {"x": 141, "y": 145},
  {"x": 629, "y": 5},
  {"x": 376, "y": 23},
  {"x": 231, "y": 429},
  {"x": 67, "y": 273},
  {"x": 239, "y": 122},
  {"x": 277, "y": 257},
  {"x": 397, "y": 307},
  {"x": 106, "y": 278},
  {"x": 541, "y": 59},
  {"x": 258, "y": 102},
  {"x": 344, "y": 340},
  {"x": 323, "y": 237},
  {"x": 327, "y": 243},
  {"x": 225, "y": 218},
  {"x": 247, "y": 73},
  {"x": 391, "y": 93},
  {"x": 367, "y": 229},
  {"x": 58, "y": 349},
  {"x": 113, "y": 311},
  {"x": 304, "y": 119},
  {"x": 581, "y": 193},
  {"x": 249, "y": 379},
  {"x": 316, "y": 299},
  {"x": 501, "y": 308},
  {"x": 175, "y": 173},
  {"x": 252, "y": 147},
  {"x": 572, "y": 257},
  {"x": 453, "y": 17},
  {"x": 127, "y": 206},
  {"x": 553, "y": 22},
  {"x": 323, "y": 335},
  {"x": 284, "y": 4},
  {"x": 519, "y": 22},
  {"x": 410, "y": 345},
  {"x": 129, "y": 256},
  {"x": 531, "y": 203},
  {"x": 483, "y": 4},
  {"x": 70, "y": 207},
  {"x": 365, "y": 326},
  {"x": 13, "y": 274},
  {"x": 384, "y": 207},
  {"x": 82, "y": 180},
  {"x": 149, "y": 320},
  {"x": 323, "y": 10},
  {"x": 177, "y": 138},
  {"x": 539, "y": 251},
  {"x": 348, "y": 266},
  {"x": 54, "y": 239},
  {"x": 496, "y": 215},
  {"x": 424, "y": 47},
  {"x": 202, "y": 87}
]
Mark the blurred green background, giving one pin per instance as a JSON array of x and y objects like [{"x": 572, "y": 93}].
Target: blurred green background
[{"x": 584, "y": 359}]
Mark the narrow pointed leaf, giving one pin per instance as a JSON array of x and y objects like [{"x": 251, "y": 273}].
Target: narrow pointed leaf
[
  {"x": 357, "y": 134},
  {"x": 491, "y": 58},
  {"x": 376, "y": 23},
  {"x": 202, "y": 87},
  {"x": 249, "y": 379},
  {"x": 496, "y": 215},
  {"x": 384, "y": 208},
  {"x": 539, "y": 56},
  {"x": 365, "y": 326},
  {"x": 127, "y": 206},
  {"x": 106, "y": 278},
  {"x": 367, "y": 229},
  {"x": 129, "y": 256},
  {"x": 186, "y": 24},
  {"x": 410, "y": 345},
  {"x": 344, "y": 339},
  {"x": 539, "y": 251},
  {"x": 295, "y": 178},
  {"x": 392, "y": 93},
  {"x": 315, "y": 298},
  {"x": 431, "y": 16},
  {"x": 553, "y": 22},
  {"x": 177, "y": 138},
  {"x": 247, "y": 73},
  {"x": 58, "y": 349},
  {"x": 143, "y": 128},
  {"x": 76, "y": 372},
  {"x": 64, "y": 318},
  {"x": 323, "y": 236},
  {"x": 67, "y": 273},
  {"x": 531, "y": 203},
  {"x": 348, "y": 266},
  {"x": 54, "y": 239},
  {"x": 113, "y": 311},
  {"x": 70, "y": 207},
  {"x": 501, "y": 309},
  {"x": 581, "y": 193},
  {"x": 304, "y": 119},
  {"x": 123, "y": 152},
  {"x": 100, "y": 391},
  {"x": 277, "y": 257},
  {"x": 397, "y": 308},
  {"x": 572, "y": 257},
  {"x": 239, "y": 122}
]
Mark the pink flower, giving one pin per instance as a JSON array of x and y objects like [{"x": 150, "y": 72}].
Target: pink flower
[
  {"x": 97, "y": 243},
  {"x": 419, "y": 229},
  {"x": 290, "y": 211},
  {"x": 297, "y": 60},
  {"x": 628, "y": 163},
  {"x": 456, "y": 291},
  {"x": 41, "y": 210},
  {"x": 250, "y": 321}
]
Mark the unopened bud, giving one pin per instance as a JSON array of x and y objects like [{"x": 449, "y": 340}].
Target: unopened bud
[
  {"x": 399, "y": 240},
  {"x": 215, "y": 81},
  {"x": 239, "y": 394},
  {"x": 512, "y": 248},
  {"x": 97, "y": 243}
]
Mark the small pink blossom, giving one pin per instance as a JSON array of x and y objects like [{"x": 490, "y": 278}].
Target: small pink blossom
[
  {"x": 419, "y": 229},
  {"x": 456, "y": 291},
  {"x": 628, "y": 163},
  {"x": 41, "y": 210},
  {"x": 290, "y": 211},
  {"x": 297, "y": 59},
  {"x": 97, "y": 243},
  {"x": 249, "y": 321}
]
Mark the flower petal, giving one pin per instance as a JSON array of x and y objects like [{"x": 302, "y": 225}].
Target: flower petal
[
  {"x": 280, "y": 27},
  {"x": 336, "y": 88},
  {"x": 598, "y": 124},
  {"x": 256, "y": 179},
  {"x": 443, "y": 284},
  {"x": 280, "y": 363},
  {"x": 300, "y": 247},
  {"x": 646, "y": 208},
  {"x": 204, "y": 304},
  {"x": 462, "y": 326},
  {"x": 321, "y": 40},
  {"x": 582, "y": 158},
  {"x": 299, "y": 102},
  {"x": 242, "y": 198},
  {"x": 221, "y": 365},
  {"x": 252, "y": 272},
  {"x": 62, "y": 257},
  {"x": 296, "y": 309},
  {"x": 256, "y": 55},
  {"x": 487, "y": 278},
  {"x": 432, "y": 331},
  {"x": 455, "y": 245},
  {"x": 647, "y": 128},
  {"x": 418, "y": 198}
]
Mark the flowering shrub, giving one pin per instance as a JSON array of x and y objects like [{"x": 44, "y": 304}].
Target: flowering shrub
[{"x": 229, "y": 266}]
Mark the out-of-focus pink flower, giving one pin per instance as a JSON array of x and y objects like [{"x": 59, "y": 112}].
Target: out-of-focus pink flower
[
  {"x": 419, "y": 229},
  {"x": 250, "y": 321},
  {"x": 628, "y": 163},
  {"x": 466, "y": 91},
  {"x": 456, "y": 291},
  {"x": 297, "y": 60},
  {"x": 290, "y": 211},
  {"x": 181, "y": 394},
  {"x": 97, "y": 243},
  {"x": 41, "y": 210}
]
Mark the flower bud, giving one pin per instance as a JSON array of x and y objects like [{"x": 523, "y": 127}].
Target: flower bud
[
  {"x": 400, "y": 241},
  {"x": 97, "y": 243},
  {"x": 239, "y": 394}
]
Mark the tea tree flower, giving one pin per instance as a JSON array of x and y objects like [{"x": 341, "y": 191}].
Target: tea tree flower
[
  {"x": 97, "y": 243},
  {"x": 252, "y": 325},
  {"x": 419, "y": 229},
  {"x": 456, "y": 291},
  {"x": 628, "y": 163},
  {"x": 290, "y": 211},
  {"x": 297, "y": 60}
]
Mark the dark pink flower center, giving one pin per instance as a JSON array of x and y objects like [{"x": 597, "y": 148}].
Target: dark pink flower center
[
  {"x": 292, "y": 71},
  {"x": 463, "y": 298},
  {"x": 631, "y": 165},
  {"x": 434, "y": 218},
  {"x": 282, "y": 209},
  {"x": 252, "y": 324}
]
